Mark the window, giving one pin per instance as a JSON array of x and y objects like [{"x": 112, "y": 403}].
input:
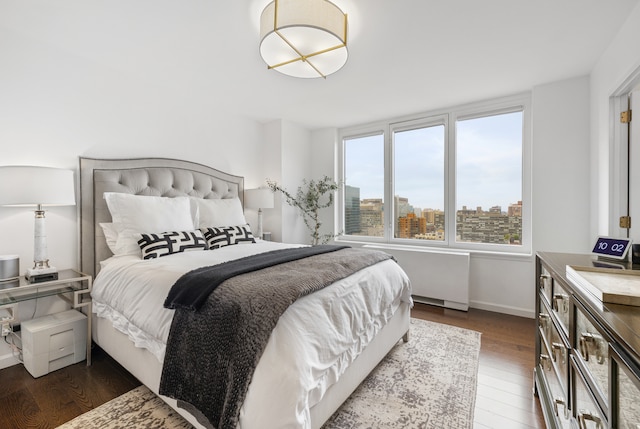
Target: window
[
  {"x": 456, "y": 179},
  {"x": 418, "y": 160},
  {"x": 364, "y": 186},
  {"x": 489, "y": 179}
]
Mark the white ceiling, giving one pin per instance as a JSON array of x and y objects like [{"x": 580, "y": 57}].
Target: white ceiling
[{"x": 405, "y": 56}]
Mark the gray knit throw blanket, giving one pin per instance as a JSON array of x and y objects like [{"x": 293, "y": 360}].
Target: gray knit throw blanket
[{"x": 212, "y": 354}]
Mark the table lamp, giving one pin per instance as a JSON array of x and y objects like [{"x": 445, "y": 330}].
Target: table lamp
[
  {"x": 260, "y": 198},
  {"x": 37, "y": 186}
]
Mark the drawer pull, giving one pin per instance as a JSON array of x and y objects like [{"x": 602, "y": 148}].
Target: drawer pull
[
  {"x": 543, "y": 321},
  {"x": 563, "y": 352},
  {"x": 584, "y": 416},
  {"x": 543, "y": 281},
  {"x": 589, "y": 341},
  {"x": 563, "y": 307},
  {"x": 545, "y": 362},
  {"x": 560, "y": 401}
]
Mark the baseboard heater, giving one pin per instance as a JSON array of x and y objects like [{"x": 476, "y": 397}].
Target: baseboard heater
[{"x": 437, "y": 277}]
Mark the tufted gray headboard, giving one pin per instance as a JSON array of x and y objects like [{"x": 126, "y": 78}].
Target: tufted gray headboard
[{"x": 143, "y": 176}]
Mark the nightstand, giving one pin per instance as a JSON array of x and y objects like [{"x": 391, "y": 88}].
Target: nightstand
[{"x": 71, "y": 285}]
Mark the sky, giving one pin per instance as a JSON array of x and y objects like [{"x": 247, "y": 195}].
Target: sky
[{"x": 488, "y": 161}]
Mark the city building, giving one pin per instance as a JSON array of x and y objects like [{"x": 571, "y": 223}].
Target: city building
[{"x": 352, "y": 215}]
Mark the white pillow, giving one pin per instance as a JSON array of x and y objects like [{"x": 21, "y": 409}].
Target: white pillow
[
  {"x": 135, "y": 214},
  {"x": 120, "y": 243},
  {"x": 149, "y": 214},
  {"x": 110, "y": 235},
  {"x": 220, "y": 212}
]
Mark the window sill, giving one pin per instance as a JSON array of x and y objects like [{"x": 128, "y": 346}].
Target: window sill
[{"x": 433, "y": 249}]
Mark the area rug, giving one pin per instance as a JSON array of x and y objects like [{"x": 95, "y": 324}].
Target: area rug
[{"x": 427, "y": 383}]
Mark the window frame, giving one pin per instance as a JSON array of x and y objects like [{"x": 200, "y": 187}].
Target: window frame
[
  {"x": 450, "y": 116},
  {"x": 413, "y": 124},
  {"x": 355, "y": 133}
]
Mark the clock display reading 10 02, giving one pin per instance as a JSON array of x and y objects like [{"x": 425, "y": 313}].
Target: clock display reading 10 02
[{"x": 612, "y": 247}]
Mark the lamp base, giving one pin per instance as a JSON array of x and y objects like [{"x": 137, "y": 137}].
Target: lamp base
[{"x": 37, "y": 275}]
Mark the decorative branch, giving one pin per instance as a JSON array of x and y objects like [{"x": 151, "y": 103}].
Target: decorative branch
[{"x": 308, "y": 200}]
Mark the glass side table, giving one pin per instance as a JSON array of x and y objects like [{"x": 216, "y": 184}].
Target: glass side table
[{"x": 71, "y": 285}]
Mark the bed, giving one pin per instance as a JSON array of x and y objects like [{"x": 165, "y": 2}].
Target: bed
[{"x": 138, "y": 342}]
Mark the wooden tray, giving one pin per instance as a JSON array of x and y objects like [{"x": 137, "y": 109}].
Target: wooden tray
[{"x": 608, "y": 285}]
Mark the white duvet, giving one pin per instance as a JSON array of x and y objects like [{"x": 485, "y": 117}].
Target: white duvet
[{"x": 313, "y": 343}]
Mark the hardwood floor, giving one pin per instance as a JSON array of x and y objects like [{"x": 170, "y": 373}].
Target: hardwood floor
[
  {"x": 505, "y": 374},
  {"x": 504, "y": 400},
  {"x": 58, "y": 397}
]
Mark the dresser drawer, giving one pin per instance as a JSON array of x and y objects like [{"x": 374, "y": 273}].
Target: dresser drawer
[
  {"x": 544, "y": 322},
  {"x": 586, "y": 411},
  {"x": 560, "y": 303},
  {"x": 626, "y": 391},
  {"x": 545, "y": 284},
  {"x": 592, "y": 350},
  {"x": 558, "y": 350},
  {"x": 556, "y": 394}
]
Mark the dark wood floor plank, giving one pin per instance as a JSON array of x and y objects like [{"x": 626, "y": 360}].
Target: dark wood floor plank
[
  {"x": 13, "y": 379},
  {"x": 51, "y": 400},
  {"x": 54, "y": 398},
  {"x": 20, "y": 410}
]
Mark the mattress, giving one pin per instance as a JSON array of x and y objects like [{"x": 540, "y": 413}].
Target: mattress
[{"x": 314, "y": 342}]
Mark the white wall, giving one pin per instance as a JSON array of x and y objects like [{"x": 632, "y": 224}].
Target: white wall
[
  {"x": 323, "y": 153},
  {"x": 288, "y": 161},
  {"x": 620, "y": 60},
  {"x": 272, "y": 152},
  {"x": 296, "y": 166},
  {"x": 57, "y": 106},
  {"x": 561, "y": 193}
]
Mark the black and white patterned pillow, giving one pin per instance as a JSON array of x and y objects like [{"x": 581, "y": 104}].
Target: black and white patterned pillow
[
  {"x": 227, "y": 235},
  {"x": 167, "y": 243}
]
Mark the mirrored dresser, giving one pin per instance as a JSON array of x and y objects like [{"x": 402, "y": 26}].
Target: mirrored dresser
[{"x": 587, "y": 372}]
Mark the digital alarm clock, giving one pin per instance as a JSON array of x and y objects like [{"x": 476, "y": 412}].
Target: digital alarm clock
[{"x": 615, "y": 248}]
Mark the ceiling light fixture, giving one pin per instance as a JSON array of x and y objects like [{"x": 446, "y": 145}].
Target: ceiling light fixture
[{"x": 303, "y": 38}]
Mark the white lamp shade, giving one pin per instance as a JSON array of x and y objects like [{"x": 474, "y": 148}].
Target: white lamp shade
[
  {"x": 261, "y": 198},
  {"x": 303, "y": 38},
  {"x": 29, "y": 186}
]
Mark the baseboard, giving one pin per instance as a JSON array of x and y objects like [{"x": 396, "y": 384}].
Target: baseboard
[
  {"x": 441, "y": 303},
  {"x": 8, "y": 360},
  {"x": 497, "y": 308}
]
